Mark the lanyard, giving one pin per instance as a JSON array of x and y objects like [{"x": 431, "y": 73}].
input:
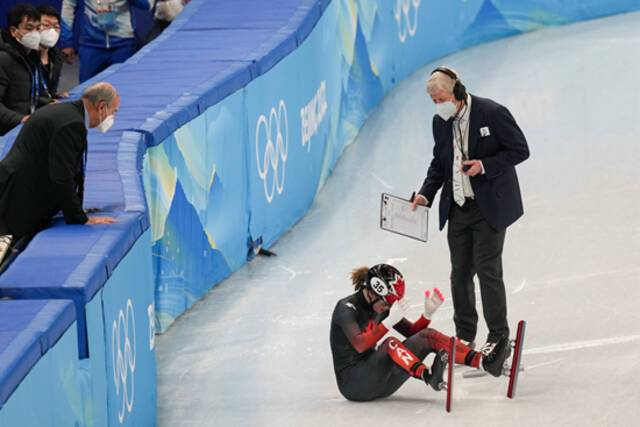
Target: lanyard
[
  {"x": 84, "y": 162},
  {"x": 35, "y": 88}
]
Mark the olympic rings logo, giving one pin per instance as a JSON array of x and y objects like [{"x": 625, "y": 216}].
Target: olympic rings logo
[
  {"x": 272, "y": 141},
  {"x": 407, "y": 27},
  {"x": 123, "y": 356}
]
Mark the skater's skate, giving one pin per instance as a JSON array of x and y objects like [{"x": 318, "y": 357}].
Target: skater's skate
[
  {"x": 435, "y": 377},
  {"x": 493, "y": 361}
]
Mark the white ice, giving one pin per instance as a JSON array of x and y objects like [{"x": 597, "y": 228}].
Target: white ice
[{"x": 255, "y": 351}]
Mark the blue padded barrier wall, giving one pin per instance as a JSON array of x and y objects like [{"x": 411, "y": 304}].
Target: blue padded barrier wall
[
  {"x": 38, "y": 364},
  {"x": 243, "y": 109}
]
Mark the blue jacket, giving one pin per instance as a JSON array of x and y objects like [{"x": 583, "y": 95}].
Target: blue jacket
[
  {"x": 497, "y": 192},
  {"x": 110, "y": 30}
]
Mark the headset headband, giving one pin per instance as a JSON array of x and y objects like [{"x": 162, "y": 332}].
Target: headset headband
[
  {"x": 448, "y": 72},
  {"x": 459, "y": 91}
]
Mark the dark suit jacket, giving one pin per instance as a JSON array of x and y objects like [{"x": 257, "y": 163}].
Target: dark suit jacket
[
  {"x": 497, "y": 192},
  {"x": 43, "y": 172}
]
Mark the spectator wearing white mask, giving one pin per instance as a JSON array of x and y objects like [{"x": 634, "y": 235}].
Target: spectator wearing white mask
[
  {"x": 21, "y": 88},
  {"x": 51, "y": 58}
]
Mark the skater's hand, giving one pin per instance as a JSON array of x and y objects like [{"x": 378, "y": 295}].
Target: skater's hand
[
  {"x": 431, "y": 302},
  {"x": 396, "y": 314}
]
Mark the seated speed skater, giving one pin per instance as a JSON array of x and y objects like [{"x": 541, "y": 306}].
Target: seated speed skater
[{"x": 368, "y": 367}]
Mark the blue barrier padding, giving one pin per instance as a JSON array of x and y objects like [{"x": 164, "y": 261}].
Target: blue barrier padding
[
  {"x": 220, "y": 80},
  {"x": 6, "y": 141},
  {"x": 272, "y": 14},
  {"x": 49, "y": 394},
  {"x": 71, "y": 262},
  {"x": 28, "y": 329},
  {"x": 130, "y": 157}
]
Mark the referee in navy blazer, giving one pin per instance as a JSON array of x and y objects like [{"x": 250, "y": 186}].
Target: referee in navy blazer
[{"x": 477, "y": 146}]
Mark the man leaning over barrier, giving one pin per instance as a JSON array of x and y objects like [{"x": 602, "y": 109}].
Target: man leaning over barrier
[{"x": 44, "y": 171}]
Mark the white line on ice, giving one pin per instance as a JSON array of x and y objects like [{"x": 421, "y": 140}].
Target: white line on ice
[
  {"x": 387, "y": 186},
  {"x": 521, "y": 287},
  {"x": 582, "y": 344},
  {"x": 290, "y": 271},
  {"x": 540, "y": 365},
  {"x": 587, "y": 276}
]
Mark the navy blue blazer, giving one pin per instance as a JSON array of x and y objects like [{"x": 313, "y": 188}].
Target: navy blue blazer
[{"x": 497, "y": 192}]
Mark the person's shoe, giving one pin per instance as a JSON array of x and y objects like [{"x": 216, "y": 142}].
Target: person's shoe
[
  {"x": 487, "y": 348},
  {"x": 497, "y": 354},
  {"x": 435, "y": 378},
  {"x": 5, "y": 244}
]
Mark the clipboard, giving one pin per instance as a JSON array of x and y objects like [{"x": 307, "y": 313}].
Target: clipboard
[{"x": 396, "y": 216}]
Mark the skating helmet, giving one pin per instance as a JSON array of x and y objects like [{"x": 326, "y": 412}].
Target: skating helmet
[{"x": 387, "y": 282}]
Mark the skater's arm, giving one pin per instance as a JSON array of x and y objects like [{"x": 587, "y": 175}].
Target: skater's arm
[
  {"x": 361, "y": 339},
  {"x": 432, "y": 301},
  {"x": 408, "y": 328}
]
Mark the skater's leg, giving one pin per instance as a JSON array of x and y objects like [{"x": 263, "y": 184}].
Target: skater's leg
[
  {"x": 429, "y": 340},
  {"x": 368, "y": 379},
  {"x": 419, "y": 346},
  {"x": 408, "y": 363}
]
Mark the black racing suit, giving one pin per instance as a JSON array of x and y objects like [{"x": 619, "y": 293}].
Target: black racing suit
[{"x": 363, "y": 372}]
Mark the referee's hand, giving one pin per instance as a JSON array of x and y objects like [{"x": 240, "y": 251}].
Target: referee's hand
[{"x": 419, "y": 200}]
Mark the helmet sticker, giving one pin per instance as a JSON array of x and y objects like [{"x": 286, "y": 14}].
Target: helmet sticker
[{"x": 379, "y": 286}]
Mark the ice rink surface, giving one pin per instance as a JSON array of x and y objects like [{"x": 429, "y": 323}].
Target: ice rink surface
[{"x": 255, "y": 351}]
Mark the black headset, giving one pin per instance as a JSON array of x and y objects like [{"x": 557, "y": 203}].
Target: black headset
[{"x": 459, "y": 91}]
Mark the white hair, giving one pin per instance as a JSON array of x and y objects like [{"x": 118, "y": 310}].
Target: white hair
[
  {"x": 101, "y": 91},
  {"x": 441, "y": 81}
]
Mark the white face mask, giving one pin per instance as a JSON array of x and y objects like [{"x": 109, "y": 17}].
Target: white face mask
[
  {"x": 31, "y": 40},
  {"x": 49, "y": 38},
  {"x": 446, "y": 110},
  {"x": 106, "y": 124}
]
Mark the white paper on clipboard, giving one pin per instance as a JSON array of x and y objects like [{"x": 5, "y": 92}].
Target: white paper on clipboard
[{"x": 397, "y": 217}]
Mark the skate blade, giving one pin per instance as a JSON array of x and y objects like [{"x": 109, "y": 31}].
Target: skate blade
[{"x": 476, "y": 373}]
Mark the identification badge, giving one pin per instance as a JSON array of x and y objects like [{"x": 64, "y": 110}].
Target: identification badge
[{"x": 106, "y": 20}]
